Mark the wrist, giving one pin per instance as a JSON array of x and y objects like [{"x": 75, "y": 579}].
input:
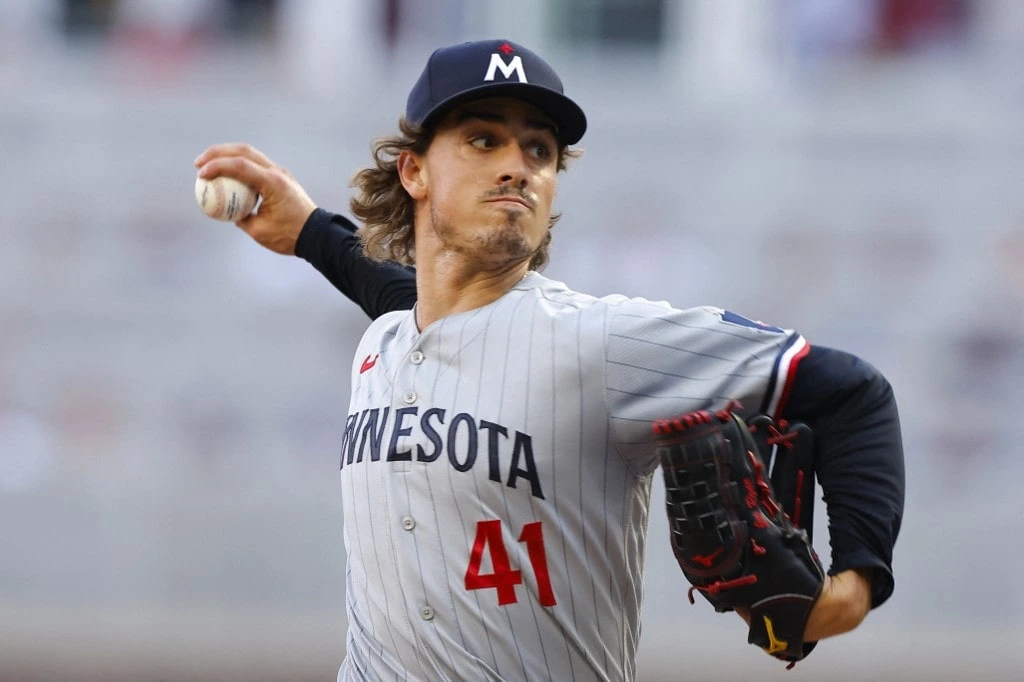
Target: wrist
[
  {"x": 306, "y": 240},
  {"x": 844, "y": 603}
]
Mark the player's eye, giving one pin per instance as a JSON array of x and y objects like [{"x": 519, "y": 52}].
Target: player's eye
[
  {"x": 482, "y": 142},
  {"x": 542, "y": 151}
]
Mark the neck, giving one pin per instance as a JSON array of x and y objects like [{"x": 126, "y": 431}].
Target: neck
[{"x": 446, "y": 285}]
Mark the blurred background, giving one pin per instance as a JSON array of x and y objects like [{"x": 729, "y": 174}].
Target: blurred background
[{"x": 172, "y": 396}]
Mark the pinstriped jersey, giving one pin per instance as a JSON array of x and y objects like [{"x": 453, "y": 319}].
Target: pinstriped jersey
[{"x": 496, "y": 476}]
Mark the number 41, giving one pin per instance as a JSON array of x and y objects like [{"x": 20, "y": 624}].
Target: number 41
[{"x": 503, "y": 578}]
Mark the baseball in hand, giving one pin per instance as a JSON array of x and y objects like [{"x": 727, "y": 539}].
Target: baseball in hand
[{"x": 225, "y": 198}]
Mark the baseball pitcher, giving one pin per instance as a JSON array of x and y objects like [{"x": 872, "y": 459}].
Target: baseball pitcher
[{"x": 497, "y": 456}]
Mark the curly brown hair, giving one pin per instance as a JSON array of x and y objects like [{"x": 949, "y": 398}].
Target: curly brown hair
[{"x": 386, "y": 209}]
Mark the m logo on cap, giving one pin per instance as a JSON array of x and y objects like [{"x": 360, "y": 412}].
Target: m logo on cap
[{"x": 498, "y": 64}]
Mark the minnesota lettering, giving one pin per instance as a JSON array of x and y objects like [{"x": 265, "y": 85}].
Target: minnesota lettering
[{"x": 377, "y": 432}]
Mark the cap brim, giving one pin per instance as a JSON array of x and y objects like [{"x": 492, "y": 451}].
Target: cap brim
[{"x": 568, "y": 117}]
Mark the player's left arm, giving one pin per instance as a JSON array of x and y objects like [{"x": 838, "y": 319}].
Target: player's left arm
[{"x": 851, "y": 408}]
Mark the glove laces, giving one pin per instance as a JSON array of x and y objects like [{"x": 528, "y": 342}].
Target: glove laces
[{"x": 721, "y": 586}]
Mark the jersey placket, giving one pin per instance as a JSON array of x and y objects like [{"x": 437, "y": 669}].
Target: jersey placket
[{"x": 411, "y": 530}]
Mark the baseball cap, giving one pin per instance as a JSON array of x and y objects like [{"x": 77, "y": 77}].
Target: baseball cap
[{"x": 492, "y": 68}]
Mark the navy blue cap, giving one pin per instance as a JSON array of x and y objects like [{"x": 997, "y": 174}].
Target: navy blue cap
[{"x": 492, "y": 68}]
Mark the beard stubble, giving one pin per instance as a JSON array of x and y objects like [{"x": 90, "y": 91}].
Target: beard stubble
[{"x": 492, "y": 245}]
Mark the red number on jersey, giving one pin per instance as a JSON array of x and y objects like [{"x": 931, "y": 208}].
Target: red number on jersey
[
  {"x": 502, "y": 577},
  {"x": 533, "y": 536}
]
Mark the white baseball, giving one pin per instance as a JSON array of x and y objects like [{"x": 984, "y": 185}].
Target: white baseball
[{"x": 225, "y": 198}]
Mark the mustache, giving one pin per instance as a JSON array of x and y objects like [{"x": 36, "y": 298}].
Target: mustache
[{"x": 511, "y": 192}]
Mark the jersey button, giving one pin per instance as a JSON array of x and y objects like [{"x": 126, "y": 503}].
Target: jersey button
[
  {"x": 416, "y": 357},
  {"x": 409, "y": 397},
  {"x": 426, "y": 613},
  {"x": 408, "y": 523}
]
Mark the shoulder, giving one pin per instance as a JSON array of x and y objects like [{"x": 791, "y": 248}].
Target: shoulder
[
  {"x": 384, "y": 328},
  {"x": 624, "y": 312},
  {"x": 640, "y": 316},
  {"x": 387, "y": 321},
  {"x": 556, "y": 294},
  {"x": 560, "y": 297}
]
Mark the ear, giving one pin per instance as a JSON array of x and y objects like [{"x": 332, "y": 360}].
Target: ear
[{"x": 412, "y": 174}]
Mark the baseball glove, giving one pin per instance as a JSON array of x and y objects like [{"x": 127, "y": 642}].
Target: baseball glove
[{"x": 733, "y": 540}]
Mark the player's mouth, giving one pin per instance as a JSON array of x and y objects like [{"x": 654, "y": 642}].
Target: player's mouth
[
  {"x": 513, "y": 201},
  {"x": 506, "y": 199}
]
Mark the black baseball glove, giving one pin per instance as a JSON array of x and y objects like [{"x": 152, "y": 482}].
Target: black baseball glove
[{"x": 733, "y": 540}]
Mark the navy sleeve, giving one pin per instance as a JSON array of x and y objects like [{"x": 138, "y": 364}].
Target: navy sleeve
[
  {"x": 328, "y": 242},
  {"x": 858, "y": 458}
]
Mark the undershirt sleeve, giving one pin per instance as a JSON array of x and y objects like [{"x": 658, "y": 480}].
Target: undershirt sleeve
[
  {"x": 328, "y": 242},
  {"x": 851, "y": 408}
]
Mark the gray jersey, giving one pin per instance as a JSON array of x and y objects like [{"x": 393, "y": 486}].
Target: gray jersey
[{"x": 496, "y": 472}]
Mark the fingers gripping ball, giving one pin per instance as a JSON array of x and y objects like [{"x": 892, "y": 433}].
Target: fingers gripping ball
[
  {"x": 225, "y": 198},
  {"x": 731, "y": 537}
]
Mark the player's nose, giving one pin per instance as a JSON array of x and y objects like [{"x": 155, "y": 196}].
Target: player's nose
[{"x": 514, "y": 168}]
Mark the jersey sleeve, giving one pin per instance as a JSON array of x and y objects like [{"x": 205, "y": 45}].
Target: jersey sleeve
[
  {"x": 661, "y": 362},
  {"x": 329, "y": 243}
]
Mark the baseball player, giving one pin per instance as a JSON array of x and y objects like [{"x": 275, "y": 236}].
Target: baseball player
[{"x": 497, "y": 455}]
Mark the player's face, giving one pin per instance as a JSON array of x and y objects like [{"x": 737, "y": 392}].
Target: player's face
[{"x": 490, "y": 176}]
